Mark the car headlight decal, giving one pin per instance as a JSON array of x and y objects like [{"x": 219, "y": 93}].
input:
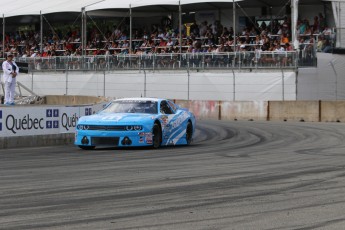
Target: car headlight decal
[
  {"x": 138, "y": 127},
  {"x": 129, "y": 127},
  {"x": 83, "y": 127}
]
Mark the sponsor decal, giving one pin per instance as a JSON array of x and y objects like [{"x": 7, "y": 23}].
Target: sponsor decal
[
  {"x": 165, "y": 119},
  {"x": 141, "y": 140},
  {"x": 142, "y": 134},
  {"x": 148, "y": 138},
  {"x": 176, "y": 123},
  {"x": 115, "y": 118},
  {"x": 149, "y": 141}
]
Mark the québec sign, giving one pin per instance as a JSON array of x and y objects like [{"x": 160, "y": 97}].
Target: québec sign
[{"x": 41, "y": 120}]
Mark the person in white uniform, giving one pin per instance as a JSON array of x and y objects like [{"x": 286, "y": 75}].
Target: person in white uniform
[{"x": 11, "y": 71}]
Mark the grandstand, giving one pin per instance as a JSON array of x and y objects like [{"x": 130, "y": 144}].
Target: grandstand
[{"x": 234, "y": 37}]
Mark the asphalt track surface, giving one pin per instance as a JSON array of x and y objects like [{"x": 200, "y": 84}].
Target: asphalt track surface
[{"x": 236, "y": 175}]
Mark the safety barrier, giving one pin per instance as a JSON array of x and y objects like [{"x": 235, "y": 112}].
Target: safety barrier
[
  {"x": 308, "y": 111},
  {"x": 39, "y": 125}
]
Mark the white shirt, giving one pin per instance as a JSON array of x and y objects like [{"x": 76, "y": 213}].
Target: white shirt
[{"x": 8, "y": 69}]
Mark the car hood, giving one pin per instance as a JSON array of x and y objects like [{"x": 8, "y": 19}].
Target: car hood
[{"x": 117, "y": 118}]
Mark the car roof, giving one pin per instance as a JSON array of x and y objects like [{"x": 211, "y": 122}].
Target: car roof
[{"x": 140, "y": 99}]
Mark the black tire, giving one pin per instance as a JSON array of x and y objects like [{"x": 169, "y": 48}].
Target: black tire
[
  {"x": 86, "y": 147},
  {"x": 157, "y": 136},
  {"x": 189, "y": 133}
]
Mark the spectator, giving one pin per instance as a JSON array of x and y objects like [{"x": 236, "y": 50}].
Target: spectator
[
  {"x": 322, "y": 22},
  {"x": 194, "y": 28},
  {"x": 284, "y": 39},
  {"x": 327, "y": 32},
  {"x": 203, "y": 29},
  {"x": 327, "y": 48},
  {"x": 32, "y": 53},
  {"x": 302, "y": 26},
  {"x": 170, "y": 42},
  {"x": 162, "y": 42},
  {"x": 225, "y": 33},
  {"x": 288, "y": 47},
  {"x": 320, "y": 44},
  {"x": 10, "y": 72},
  {"x": 316, "y": 25}
]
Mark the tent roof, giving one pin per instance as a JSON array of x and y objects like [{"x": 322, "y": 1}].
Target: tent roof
[{"x": 35, "y": 7}]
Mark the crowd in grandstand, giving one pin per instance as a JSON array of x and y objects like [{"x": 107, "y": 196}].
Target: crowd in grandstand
[{"x": 203, "y": 37}]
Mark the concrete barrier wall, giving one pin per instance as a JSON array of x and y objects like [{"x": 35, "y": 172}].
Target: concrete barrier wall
[
  {"x": 202, "y": 109},
  {"x": 332, "y": 111},
  {"x": 247, "y": 110},
  {"x": 294, "y": 111},
  {"x": 312, "y": 111},
  {"x": 308, "y": 111},
  {"x": 72, "y": 100},
  {"x": 36, "y": 140}
]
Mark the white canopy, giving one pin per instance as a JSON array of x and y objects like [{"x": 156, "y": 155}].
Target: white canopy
[
  {"x": 35, "y": 7},
  {"x": 108, "y": 4}
]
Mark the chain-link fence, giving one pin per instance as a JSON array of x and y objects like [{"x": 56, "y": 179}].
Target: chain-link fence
[{"x": 166, "y": 61}]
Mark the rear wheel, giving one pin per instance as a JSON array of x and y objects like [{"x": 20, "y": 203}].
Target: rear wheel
[
  {"x": 189, "y": 133},
  {"x": 86, "y": 147},
  {"x": 157, "y": 136}
]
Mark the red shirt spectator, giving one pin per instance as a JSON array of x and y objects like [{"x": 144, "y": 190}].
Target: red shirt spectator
[{"x": 162, "y": 42}]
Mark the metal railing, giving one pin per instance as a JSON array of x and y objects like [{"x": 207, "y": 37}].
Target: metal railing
[
  {"x": 166, "y": 61},
  {"x": 29, "y": 98}
]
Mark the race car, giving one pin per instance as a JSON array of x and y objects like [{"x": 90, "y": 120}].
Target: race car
[{"x": 131, "y": 122}]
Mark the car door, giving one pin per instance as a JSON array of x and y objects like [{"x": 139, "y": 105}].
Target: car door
[
  {"x": 167, "y": 118},
  {"x": 178, "y": 124}
]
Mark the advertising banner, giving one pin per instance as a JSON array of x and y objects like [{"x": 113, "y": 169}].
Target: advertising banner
[{"x": 42, "y": 120}]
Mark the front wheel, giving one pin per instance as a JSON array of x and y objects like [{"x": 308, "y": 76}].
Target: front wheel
[
  {"x": 157, "y": 136},
  {"x": 189, "y": 133},
  {"x": 86, "y": 147}
]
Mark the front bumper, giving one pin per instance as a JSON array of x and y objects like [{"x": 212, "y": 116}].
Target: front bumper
[{"x": 112, "y": 138}]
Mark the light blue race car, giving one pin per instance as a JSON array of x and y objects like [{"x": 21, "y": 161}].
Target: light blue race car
[{"x": 134, "y": 122}]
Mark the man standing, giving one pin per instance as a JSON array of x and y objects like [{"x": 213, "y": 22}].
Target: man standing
[{"x": 11, "y": 71}]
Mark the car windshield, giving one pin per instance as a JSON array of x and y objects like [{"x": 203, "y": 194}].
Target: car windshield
[{"x": 132, "y": 107}]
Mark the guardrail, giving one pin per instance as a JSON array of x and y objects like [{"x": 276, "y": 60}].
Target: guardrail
[
  {"x": 46, "y": 125},
  {"x": 173, "y": 61}
]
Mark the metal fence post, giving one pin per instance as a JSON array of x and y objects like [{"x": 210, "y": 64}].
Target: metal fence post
[
  {"x": 145, "y": 83},
  {"x": 188, "y": 76},
  {"x": 336, "y": 78},
  {"x": 283, "y": 85},
  {"x": 103, "y": 83},
  {"x": 66, "y": 79},
  {"x": 32, "y": 81},
  {"x": 233, "y": 85}
]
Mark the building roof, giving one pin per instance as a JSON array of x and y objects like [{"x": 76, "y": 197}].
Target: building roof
[{"x": 36, "y": 7}]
